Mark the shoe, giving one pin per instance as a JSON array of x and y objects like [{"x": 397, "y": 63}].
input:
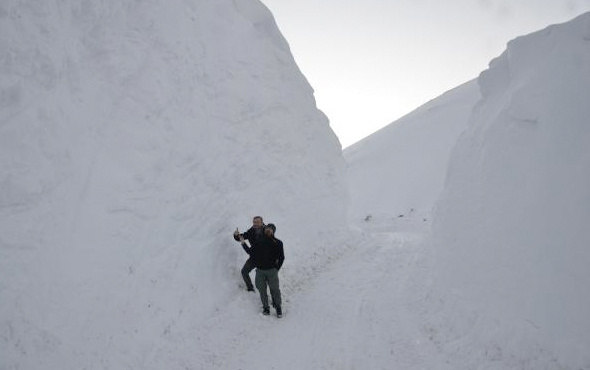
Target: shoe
[
  {"x": 279, "y": 311},
  {"x": 251, "y": 289},
  {"x": 266, "y": 311}
]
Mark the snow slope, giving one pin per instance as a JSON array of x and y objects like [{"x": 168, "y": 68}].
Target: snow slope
[
  {"x": 408, "y": 157},
  {"x": 511, "y": 234},
  {"x": 135, "y": 136}
]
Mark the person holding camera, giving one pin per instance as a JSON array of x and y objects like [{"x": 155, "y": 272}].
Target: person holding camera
[{"x": 253, "y": 235}]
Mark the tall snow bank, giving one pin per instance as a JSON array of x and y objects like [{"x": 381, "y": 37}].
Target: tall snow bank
[
  {"x": 511, "y": 233},
  {"x": 134, "y": 137},
  {"x": 402, "y": 166}
]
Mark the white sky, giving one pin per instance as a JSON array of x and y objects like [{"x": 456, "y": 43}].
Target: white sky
[{"x": 372, "y": 61}]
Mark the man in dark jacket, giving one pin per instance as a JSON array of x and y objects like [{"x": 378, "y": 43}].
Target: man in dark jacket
[
  {"x": 268, "y": 257},
  {"x": 253, "y": 235}
]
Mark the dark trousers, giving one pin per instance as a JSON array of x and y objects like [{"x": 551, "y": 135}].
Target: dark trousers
[
  {"x": 270, "y": 278},
  {"x": 248, "y": 267}
]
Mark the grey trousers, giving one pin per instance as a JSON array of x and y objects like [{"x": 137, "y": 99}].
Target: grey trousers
[{"x": 268, "y": 277}]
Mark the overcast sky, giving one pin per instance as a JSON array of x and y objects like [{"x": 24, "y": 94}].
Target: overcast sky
[{"x": 372, "y": 61}]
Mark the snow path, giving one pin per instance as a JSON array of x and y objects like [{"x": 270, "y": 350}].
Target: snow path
[{"x": 356, "y": 314}]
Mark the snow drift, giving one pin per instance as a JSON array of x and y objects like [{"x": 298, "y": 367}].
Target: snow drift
[
  {"x": 135, "y": 136},
  {"x": 402, "y": 166},
  {"x": 510, "y": 231}
]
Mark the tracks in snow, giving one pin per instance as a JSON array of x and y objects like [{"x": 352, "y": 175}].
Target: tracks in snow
[{"x": 356, "y": 313}]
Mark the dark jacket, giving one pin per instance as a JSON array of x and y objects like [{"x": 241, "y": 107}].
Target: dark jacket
[
  {"x": 267, "y": 253},
  {"x": 253, "y": 235}
]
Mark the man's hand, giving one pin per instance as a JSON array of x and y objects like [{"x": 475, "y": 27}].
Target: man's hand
[{"x": 236, "y": 233}]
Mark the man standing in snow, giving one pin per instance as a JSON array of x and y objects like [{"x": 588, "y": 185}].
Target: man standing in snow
[
  {"x": 268, "y": 257},
  {"x": 253, "y": 235}
]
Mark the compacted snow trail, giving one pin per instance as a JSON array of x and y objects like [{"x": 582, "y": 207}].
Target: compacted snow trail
[{"x": 354, "y": 315}]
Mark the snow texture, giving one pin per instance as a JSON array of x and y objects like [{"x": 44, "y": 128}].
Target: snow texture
[
  {"x": 135, "y": 136},
  {"x": 511, "y": 235}
]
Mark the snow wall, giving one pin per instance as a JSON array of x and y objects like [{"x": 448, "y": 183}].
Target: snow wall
[
  {"x": 510, "y": 234},
  {"x": 135, "y": 136}
]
